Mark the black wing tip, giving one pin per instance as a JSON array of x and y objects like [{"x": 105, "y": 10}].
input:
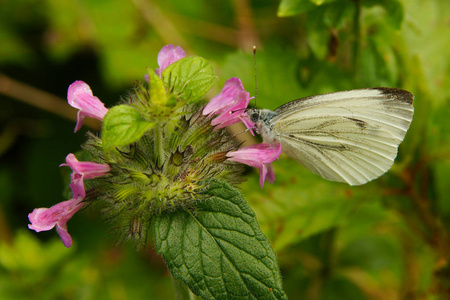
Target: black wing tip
[{"x": 398, "y": 94}]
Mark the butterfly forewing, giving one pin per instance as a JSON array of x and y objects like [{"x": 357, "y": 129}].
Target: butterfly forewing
[{"x": 349, "y": 136}]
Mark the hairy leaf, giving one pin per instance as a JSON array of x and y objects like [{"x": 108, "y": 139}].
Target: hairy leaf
[
  {"x": 123, "y": 125},
  {"x": 190, "y": 78},
  {"x": 219, "y": 251}
]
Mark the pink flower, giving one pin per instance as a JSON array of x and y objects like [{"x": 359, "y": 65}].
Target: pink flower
[
  {"x": 230, "y": 105},
  {"x": 43, "y": 219},
  {"x": 167, "y": 56},
  {"x": 259, "y": 156},
  {"x": 80, "y": 96},
  {"x": 81, "y": 171}
]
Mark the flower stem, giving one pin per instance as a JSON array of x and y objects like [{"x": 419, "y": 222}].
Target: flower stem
[{"x": 159, "y": 150}]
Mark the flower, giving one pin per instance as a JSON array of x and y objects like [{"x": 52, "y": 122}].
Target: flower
[
  {"x": 81, "y": 171},
  {"x": 43, "y": 219},
  {"x": 79, "y": 95},
  {"x": 167, "y": 56},
  {"x": 230, "y": 105},
  {"x": 259, "y": 156}
]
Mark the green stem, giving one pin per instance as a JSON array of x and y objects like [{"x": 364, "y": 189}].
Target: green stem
[
  {"x": 158, "y": 131},
  {"x": 327, "y": 243},
  {"x": 181, "y": 291}
]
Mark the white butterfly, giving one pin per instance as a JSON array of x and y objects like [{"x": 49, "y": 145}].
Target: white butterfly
[{"x": 350, "y": 136}]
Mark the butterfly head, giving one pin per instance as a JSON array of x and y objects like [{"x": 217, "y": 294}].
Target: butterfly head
[{"x": 254, "y": 114}]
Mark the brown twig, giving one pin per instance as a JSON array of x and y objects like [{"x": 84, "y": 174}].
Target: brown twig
[
  {"x": 162, "y": 25},
  {"x": 207, "y": 30},
  {"x": 247, "y": 34},
  {"x": 41, "y": 99}
]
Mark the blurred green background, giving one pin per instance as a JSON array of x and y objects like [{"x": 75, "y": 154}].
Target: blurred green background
[{"x": 388, "y": 239}]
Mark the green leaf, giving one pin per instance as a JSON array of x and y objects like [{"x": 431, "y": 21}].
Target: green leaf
[
  {"x": 123, "y": 125},
  {"x": 301, "y": 204},
  {"x": 219, "y": 251},
  {"x": 190, "y": 78},
  {"x": 289, "y": 8},
  {"x": 394, "y": 11},
  {"x": 157, "y": 91},
  {"x": 320, "y": 2}
]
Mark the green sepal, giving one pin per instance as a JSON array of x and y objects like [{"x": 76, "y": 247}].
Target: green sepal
[
  {"x": 156, "y": 88},
  {"x": 189, "y": 78},
  {"x": 123, "y": 125},
  {"x": 219, "y": 250}
]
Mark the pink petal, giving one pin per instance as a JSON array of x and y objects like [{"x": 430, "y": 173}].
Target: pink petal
[
  {"x": 43, "y": 219},
  {"x": 248, "y": 123},
  {"x": 64, "y": 235},
  {"x": 167, "y": 56},
  {"x": 81, "y": 171},
  {"x": 259, "y": 156},
  {"x": 256, "y": 155},
  {"x": 230, "y": 105},
  {"x": 77, "y": 185},
  {"x": 262, "y": 175},
  {"x": 270, "y": 177},
  {"x": 79, "y": 96},
  {"x": 228, "y": 97},
  {"x": 38, "y": 220},
  {"x": 86, "y": 169}
]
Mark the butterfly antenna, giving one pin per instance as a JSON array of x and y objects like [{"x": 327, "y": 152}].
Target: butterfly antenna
[{"x": 254, "y": 61}]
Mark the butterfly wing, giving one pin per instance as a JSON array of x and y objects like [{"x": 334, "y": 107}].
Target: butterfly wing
[{"x": 349, "y": 136}]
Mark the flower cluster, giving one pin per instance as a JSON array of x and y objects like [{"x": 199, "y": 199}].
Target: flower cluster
[
  {"x": 188, "y": 166},
  {"x": 80, "y": 96}
]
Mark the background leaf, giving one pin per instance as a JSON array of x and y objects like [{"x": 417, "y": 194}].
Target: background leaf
[{"x": 293, "y": 7}]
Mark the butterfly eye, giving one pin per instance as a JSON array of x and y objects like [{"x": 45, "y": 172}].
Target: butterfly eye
[{"x": 254, "y": 117}]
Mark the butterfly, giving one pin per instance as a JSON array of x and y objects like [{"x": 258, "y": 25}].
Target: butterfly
[{"x": 349, "y": 136}]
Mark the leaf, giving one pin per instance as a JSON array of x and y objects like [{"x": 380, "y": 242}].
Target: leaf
[
  {"x": 301, "y": 204},
  {"x": 289, "y": 8},
  {"x": 219, "y": 251},
  {"x": 321, "y": 21},
  {"x": 190, "y": 78},
  {"x": 320, "y": 2},
  {"x": 293, "y": 7},
  {"x": 123, "y": 125},
  {"x": 394, "y": 11},
  {"x": 442, "y": 174}
]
